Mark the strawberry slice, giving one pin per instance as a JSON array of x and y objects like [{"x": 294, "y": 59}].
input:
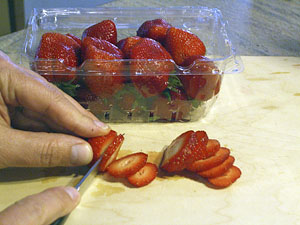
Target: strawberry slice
[
  {"x": 184, "y": 150},
  {"x": 127, "y": 43},
  {"x": 226, "y": 179},
  {"x": 205, "y": 164},
  {"x": 183, "y": 45},
  {"x": 218, "y": 170},
  {"x": 154, "y": 29},
  {"x": 212, "y": 147},
  {"x": 144, "y": 176},
  {"x": 99, "y": 144},
  {"x": 127, "y": 165},
  {"x": 105, "y": 30},
  {"x": 111, "y": 153}
]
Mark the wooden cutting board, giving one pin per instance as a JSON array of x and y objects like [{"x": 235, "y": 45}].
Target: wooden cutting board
[{"x": 257, "y": 116}]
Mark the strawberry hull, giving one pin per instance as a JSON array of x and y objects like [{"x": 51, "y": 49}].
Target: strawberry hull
[{"x": 127, "y": 84}]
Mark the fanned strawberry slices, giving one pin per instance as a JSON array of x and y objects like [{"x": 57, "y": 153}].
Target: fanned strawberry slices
[{"x": 192, "y": 151}]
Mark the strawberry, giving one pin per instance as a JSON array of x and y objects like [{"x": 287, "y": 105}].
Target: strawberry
[
  {"x": 111, "y": 153},
  {"x": 226, "y": 179},
  {"x": 218, "y": 170},
  {"x": 212, "y": 147},
  {"x": 205, "y": 164},
  {"x": 127, "y": 165},
  {"x": 174, "y": 107},
  {"x": 104, "y": 77},
  {"x": 75, "y": 38},
  {"x": 66, "y": 55},
  {"x": 127, "y": 43},
  {"x": 182, "y": 45},
  {"x": 184, "y": 150},
  {"x": 101, "y": 45},
  {"x": 100, "y": 144},
  {"x": 105, "y": 30},
  {"x": 202, "y": 83},
  {"x": 144, "y": 176},
  {"x": 155, "y": 29},
  {"x": 151, "y": 68}
]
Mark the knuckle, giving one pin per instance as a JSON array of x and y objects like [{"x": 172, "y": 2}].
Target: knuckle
[{"x": 49, "y": 153}]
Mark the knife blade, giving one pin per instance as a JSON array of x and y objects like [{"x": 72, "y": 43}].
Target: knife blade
[{"x": 82, "y": 186}]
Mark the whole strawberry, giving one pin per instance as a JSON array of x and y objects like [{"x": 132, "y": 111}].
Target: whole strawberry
[
  {"x": 151, "y": 67},
  {"x": 203, "y": 82},
  {"x": 155, "y": 29},
  {"x": 105, "y": 30},
  {"x": 57, "y": 54},
  {"x": 126, "y": 44},
  {"x": 182, "y": 45},
  {"x": 104, "y": 71}
]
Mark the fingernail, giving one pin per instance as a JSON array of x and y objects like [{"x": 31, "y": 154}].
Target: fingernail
[
  {"x": 72, "y": 192},
  {"x": 81, "y": 154},
  {"x": 103, "y": 126}
]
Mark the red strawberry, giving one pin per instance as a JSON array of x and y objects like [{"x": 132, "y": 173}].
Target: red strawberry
[
  {"x": 111, "y": 153},
  {"x": 226, "y": 179},
  {"x": 66, "y": 55},
  {"x": 205, "y": 164},
  {"x": 150, "y": 77},
  {"x": 182, "y": 45},
  {"x": 202, "y": 83},
  {"x": 127, "y": 165},
  {"x": 218, "y": 170},
  {"x": 75, "y": 38},
  {"x": 104, "y": 77},
  {"x": 127, "y": 43},
  {"x": 105, "y": 30},
  {"x": 155, "y": 29},
  {"x": 174, "y": 108},
  {"x": 184, "y": 150},
  {"x": 212, "y": 147},
  {"x": 101, "y": 45},
  {"x": 144, "y": 176},
  {"x": 100, "y": 144}
]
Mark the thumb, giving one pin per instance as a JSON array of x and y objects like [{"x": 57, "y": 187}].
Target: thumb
[{"x": 41, "y": 208}]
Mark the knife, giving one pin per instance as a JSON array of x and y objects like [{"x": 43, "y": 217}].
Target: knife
[{"x": 81, "y": 186}]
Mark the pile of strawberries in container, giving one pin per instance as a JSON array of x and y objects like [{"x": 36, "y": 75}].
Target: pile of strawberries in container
[
  {"x": 163, "y": 69},
  {"x": 191, "y": 151}
]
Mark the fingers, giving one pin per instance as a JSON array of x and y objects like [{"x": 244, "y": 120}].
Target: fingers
[
  {"x": 41, "y": 208},
  {"x": 37, "y": 149},
  {"x": 20, "y": 87}
]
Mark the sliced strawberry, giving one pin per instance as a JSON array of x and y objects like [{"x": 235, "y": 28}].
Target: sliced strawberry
[
  {"x": 205, "y": 164},
  {"x": 226, "y": 179},
  {"x": 218, "y": 170},
  {"x": 104, "y": 72},
  {"x": 127, "y": 165},
  {"x": 127, "y": 43},
  {"x": 184, "y": 150},
  {"x": 111, "y": 153},
  {"x": 202, "y": 83},
  {"x": 182, "y": 45},
  {"x": 100, "y": 144},
  {"x": 151, "y": 67},
  {"x": 155, "y": 29},
  {"x": 105, "y": 30},
  {"x": 57, "y": 54},
  {"x": 144, "y": 176},
  {"x": 212, "y": 147}
]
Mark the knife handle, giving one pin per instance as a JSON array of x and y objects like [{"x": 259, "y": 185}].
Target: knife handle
[{"x": 60, "y": 221}]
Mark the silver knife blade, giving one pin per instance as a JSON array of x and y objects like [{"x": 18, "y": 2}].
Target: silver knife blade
[{"x": 82, "y": 186}]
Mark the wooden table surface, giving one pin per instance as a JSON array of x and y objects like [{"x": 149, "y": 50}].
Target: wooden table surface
[{"x": 257, "y": 116}]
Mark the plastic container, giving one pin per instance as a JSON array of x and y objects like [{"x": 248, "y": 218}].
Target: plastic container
[{"x": 128, "y": 105}]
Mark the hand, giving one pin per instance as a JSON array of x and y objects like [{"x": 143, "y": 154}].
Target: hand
[{"x": 30, "y": 109}]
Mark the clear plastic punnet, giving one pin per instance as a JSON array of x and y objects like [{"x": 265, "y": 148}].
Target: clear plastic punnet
[{"x": 127, "y": 103}]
